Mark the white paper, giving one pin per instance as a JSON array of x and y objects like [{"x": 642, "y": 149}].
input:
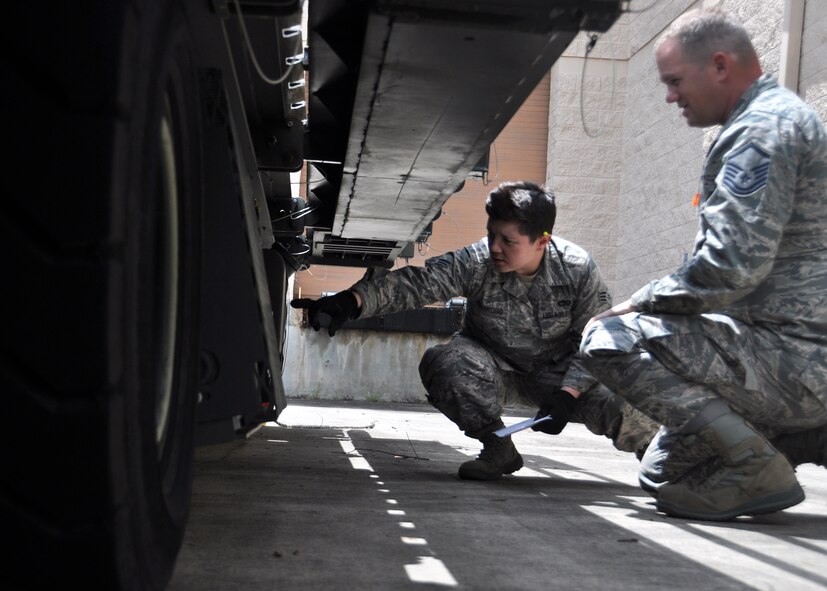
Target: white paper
[{"x": 506, "y": 431}]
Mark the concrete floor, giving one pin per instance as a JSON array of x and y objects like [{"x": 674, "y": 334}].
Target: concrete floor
[{"x": 356, "y": 496}]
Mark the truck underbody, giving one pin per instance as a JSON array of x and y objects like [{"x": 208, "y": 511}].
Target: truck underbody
[{"x": 151, "y": 221}]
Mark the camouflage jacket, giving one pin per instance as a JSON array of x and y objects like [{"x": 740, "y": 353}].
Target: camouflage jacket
[
  {"x": 761, "y": 251},
  {"x": 524, "y": 329}
]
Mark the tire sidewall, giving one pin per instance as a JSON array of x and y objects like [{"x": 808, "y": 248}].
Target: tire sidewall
[{"x": 154, "y": 488}]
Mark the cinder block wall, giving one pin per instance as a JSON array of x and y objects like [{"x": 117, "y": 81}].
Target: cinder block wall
[
  {"x": 662, "y": 161},
  {"x": 586, "y": 125}
]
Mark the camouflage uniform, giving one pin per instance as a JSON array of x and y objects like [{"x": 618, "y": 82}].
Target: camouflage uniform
[
  {"x": 745, "y": 319},
  {"x": 516, "y": 344}
]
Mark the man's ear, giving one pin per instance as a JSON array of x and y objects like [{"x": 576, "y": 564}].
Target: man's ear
[
  {"x": 721, "y": 62},
  {"x": 543, "y": 240}
]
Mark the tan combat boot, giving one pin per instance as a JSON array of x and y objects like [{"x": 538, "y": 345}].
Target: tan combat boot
[{"x": 748, "y": 477}]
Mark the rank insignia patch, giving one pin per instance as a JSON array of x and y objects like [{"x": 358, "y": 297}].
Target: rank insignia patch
[{"x": 746, "y": 171}]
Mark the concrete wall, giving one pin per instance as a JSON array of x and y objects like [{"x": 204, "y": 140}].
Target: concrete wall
[{"x": 355, "y": 364}]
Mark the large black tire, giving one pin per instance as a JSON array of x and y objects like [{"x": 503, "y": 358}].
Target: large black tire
[{"x": 99, "y": 235}]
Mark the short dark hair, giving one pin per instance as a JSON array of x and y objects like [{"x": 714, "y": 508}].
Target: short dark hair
[{"x": 526, "y": 203}]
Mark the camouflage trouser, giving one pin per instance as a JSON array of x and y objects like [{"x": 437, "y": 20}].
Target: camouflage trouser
[
  {"x": 670, "y": 367},
  {"x": 468, "y": 384},
  {"x": 804, "y": 447}
]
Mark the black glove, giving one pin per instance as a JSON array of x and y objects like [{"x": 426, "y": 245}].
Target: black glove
[
  {"x": 559, "y": 407},
  {"x": 341, "y": 307}
]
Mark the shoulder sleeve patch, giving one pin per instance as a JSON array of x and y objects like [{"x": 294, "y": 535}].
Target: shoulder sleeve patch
[{"x": 746, "y": 170}]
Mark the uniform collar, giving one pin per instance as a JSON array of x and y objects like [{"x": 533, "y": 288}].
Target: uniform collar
[
  {"x": 763, "y": 83},
  {"x": 553, "y": 269}
]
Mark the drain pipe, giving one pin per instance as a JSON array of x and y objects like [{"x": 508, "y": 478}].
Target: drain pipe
[{"x": 793, "y": 28}]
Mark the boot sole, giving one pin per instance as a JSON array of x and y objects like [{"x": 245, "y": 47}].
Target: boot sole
[
  {"x": 766, "y": 504},
  {"x": 509, "y": 468}
]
